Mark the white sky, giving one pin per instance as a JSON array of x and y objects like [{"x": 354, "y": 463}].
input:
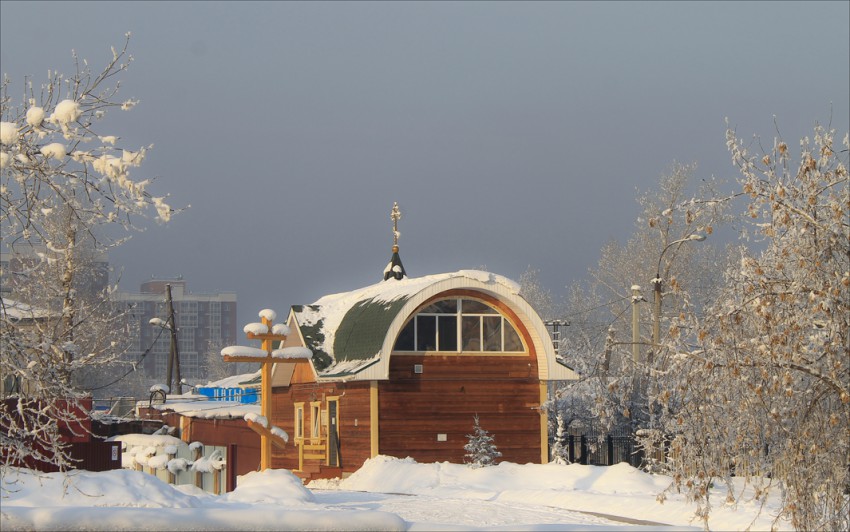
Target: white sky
[{"x": 511, "y": 134}]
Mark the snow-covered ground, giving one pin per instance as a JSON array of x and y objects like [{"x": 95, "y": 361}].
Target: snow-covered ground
[{"x": 386, "y": 494}]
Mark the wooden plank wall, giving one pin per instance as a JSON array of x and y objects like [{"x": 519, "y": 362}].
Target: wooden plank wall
[
  {"x": 223, "y": 433},
  {"x": 353, "y": 420},
  {"x": 444, "y": 398}
]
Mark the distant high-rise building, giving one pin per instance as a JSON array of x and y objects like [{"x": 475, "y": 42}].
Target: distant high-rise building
[
  {"x": 16, "y": 262},
  {"x": 204, "y": 321}
]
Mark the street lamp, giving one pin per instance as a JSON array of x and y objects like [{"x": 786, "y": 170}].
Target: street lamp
[{"x": 656, "y": 283}]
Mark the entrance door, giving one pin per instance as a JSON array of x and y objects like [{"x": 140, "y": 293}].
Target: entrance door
[{"x": 334, "y": 458}]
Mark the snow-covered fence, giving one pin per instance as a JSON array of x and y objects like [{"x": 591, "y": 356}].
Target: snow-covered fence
[{"x": 174, "y": 461}]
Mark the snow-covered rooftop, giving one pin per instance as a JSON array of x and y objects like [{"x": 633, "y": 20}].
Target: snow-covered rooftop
[
  {"x": 346, "y": 330},
  {"x": 232, "y": 382},
  {"x": 198, "y": 406}
]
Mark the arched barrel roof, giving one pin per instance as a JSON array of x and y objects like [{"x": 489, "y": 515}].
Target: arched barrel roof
[{"x": 352, "y": 334}]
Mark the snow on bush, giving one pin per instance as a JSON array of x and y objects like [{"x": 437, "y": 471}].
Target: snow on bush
[
  {"x": 54, "y": 150},
  {"x": 35, "y": 116},
  {"x": 481, "y": 450},
  {"x": 66, "y": 112},
  {"x": 8, "y": 133},
  {"x": 46, "y": 181}
]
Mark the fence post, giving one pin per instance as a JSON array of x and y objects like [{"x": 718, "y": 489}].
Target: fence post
[
  {"x": 199, "y": 477},
  {"x": 610, "y": 450},
  {"x": 583, "y": 459},
  {"x": 572, "y": 449}
]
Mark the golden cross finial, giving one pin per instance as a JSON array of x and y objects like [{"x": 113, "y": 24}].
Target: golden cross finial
[{"x": 396, "y": 216}]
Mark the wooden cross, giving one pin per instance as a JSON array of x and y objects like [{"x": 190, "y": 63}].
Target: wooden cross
[
  {"x": 266, "y": 385},
  {"x": 396, "y": 216}
]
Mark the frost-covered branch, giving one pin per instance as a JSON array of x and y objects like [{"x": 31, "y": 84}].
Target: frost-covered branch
[{"x": 68, "y": 193}]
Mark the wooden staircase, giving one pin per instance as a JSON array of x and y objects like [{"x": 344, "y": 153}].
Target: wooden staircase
[
  {"x": 316, "y": 471},
  {"x": 314, "y": 461}
]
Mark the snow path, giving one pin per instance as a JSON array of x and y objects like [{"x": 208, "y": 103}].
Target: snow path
[{"x": 427, "y": 513}]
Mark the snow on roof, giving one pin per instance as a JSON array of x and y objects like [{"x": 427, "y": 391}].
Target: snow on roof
[
  {"x": 198, "y": 407},
  {"x": 232, "y": 382},
  {"x": 151, "y": 440},
  {"x": 322, "y": 322}
]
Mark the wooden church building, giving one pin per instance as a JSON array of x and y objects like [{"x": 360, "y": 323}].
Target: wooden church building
[{"x": 401, "y": 368}]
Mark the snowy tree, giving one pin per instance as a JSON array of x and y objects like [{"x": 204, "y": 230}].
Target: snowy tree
[
  {"x": 481, "y": 448},
  {"x": 617, "y": 387},
  {"x": 537, "y": 296},
  {"x": 759, "y": 384},
  {"x": 560, "y": 449},
  {"x": 213, "y": 366},
  {"x": 66, "y": 197}
]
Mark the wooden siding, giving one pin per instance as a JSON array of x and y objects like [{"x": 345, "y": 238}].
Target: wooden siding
[
  {"x": 502, "y": 390},
  {"x": 354, "y": 422},
  {"x": 243, "y": 443}
]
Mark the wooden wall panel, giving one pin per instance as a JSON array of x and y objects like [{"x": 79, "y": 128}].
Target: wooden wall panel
[
  {"x": 224, "y": 432},
  {"x": 502, "y": 390},
  {"x": 353, "y": 420}
]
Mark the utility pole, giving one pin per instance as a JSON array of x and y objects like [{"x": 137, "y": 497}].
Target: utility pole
[
  {"x": 174, "y": 353},
  {"x": 656, "y": 284},
  {"x": 636, "y": 298}
]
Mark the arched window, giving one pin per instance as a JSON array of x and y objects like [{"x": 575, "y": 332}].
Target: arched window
[{"x": 459, "y": 325}]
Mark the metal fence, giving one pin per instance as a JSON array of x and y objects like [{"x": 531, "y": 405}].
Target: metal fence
[{"x": 593, "y": 448}]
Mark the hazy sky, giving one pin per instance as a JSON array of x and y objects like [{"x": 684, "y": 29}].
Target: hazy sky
[{"x": 511, "y": 134}]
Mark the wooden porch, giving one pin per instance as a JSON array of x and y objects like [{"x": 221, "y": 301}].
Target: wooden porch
[{"x": 314, "y": 460}]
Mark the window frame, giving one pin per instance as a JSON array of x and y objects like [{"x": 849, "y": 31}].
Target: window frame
[
  {"x": 460, "y": 317},
  {"x": 298, "y": 427},
  {"x": 315, "y": 421}
]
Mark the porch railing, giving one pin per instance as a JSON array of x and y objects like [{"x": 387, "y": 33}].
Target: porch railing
[{"x": 312, "y": 449}]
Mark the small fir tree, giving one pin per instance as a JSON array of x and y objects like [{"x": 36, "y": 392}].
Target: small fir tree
[
  {"x": 481, "y": 450},
  {"x": 560, "y": 449}
]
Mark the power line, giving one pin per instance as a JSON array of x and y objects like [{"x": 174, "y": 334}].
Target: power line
[{"x": 135, "y": 365}]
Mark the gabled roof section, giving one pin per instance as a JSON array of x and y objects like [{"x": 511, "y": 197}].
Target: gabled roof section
[
  {"x": 361, "y": 333},
  {"x": 311, "y": 324}
]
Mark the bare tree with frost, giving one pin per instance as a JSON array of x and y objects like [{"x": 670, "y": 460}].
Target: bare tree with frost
[
  {"x": 618, "y": 387},
  {"x": 66, "y": 196},
  {"x": 759, "y": 385},
  {"x": 537, "y": 296}
]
